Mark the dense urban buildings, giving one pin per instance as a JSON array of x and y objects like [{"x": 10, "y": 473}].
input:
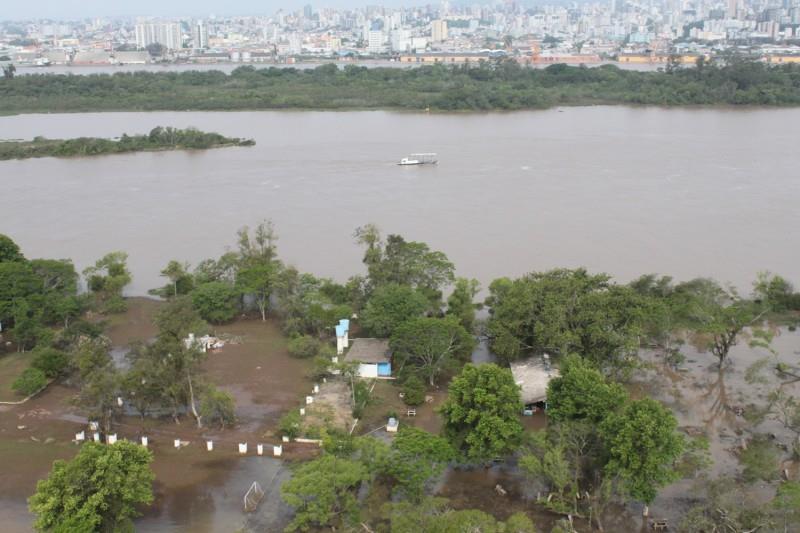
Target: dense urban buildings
[{"x": 624, "y": 30}]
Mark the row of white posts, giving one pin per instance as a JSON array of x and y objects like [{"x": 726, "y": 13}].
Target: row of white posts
[{"x": 277, "y": 451}]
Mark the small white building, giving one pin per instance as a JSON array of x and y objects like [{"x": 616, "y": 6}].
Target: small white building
[
  {"x": 373, "y": 357},
  {"x": 533, "y": 375}
]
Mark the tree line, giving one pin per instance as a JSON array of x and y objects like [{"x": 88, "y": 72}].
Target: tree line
[
  {"x": 491, "y": 85},
  {"x": 158, "y": 139}
]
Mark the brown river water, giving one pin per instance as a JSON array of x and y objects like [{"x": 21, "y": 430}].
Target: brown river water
[
  {"x": 622, "y": 190},
  {"x": 686, "y": 192}
]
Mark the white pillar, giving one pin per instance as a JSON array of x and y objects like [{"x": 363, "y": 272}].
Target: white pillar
[
  {"x": 80, "y": 437},
  {"x": 177, "y": 443},
  {"x": 93, "y": 425},
  {"x": 111, "y": 439},
  {"x": 285, "y": 438},
  {"x": 242, "y": 448},
  {"x": 277, "y": 451},
  {"x": 302, "y": 411},
  {"x": 96, "y": 436},
  {"x": 260, "y": 449},
  {"x": 144, "y": 441},
  {"x": 210, "y": 445},
  {"x": 119, "y": 401},
  {"x": 309, "y": 400},
  {"x": 316, "y": 389},
  {"x": 339, "y": 345}
]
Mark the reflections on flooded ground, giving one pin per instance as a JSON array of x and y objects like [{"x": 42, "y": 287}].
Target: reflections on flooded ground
[
  {"x": 716, "y": 403},
  {"x": 216, "y": 503}
]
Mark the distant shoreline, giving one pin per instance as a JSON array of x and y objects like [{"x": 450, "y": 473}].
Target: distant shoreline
[{"x": 504, "y": 86}]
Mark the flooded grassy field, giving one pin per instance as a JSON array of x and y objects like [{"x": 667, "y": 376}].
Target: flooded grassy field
[{"x": 195, "y": 490}]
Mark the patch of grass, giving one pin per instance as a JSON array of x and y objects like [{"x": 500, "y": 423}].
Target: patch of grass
[{"x": 11, "y": 366}]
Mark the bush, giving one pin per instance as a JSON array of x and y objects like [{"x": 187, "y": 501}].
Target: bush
[
  {"x": 53, "y": 363},
  {"x": 30, "y": 381},
  {"x": 216, "y": 302},
  {"x": 218, "y": 408},
  {"x": 320, "y": 367},
  {"x": 289, "y": 424},
  {"x": 304, "y": 347},
  {"x": 413, "y": 391}
]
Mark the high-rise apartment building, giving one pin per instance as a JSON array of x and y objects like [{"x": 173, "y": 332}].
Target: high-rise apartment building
[
  {"x": 200, "y": 35},
  {"x": 439, "y": 31},
  {"x": 167, "y": 34}
]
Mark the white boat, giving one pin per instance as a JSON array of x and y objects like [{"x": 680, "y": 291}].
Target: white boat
[{"x": 419, "y": 159}]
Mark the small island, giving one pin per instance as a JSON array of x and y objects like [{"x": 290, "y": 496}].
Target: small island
[{"x": 158, "y": 139}]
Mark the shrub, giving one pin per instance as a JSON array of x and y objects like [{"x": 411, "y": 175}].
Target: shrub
[
  {"x": 53, "y": 363},
  {"x": 413, "y": 390},
  {"x": 216, "y": 301},
  {"x": 289, "y": 424},
  {"x": 304, "y": 346},
  {"x": 217, "y": 407},
  {"x": 320, "y": 367},
  {"x": 30, "y": 381}
]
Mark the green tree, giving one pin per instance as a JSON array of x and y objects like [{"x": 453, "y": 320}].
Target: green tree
[
  {"x": 566, "y": 311},
  {"x": 429, "y": 346},
  {"x": 642, "y": 447},
  {"x": 581, "y": 392},
  {"x": 100, "y": 382},
  {"x": 417, "y": 457},
  {"x": 216, "y": 301},
  {"x": 304, "y": 347},
  {"x": 461, "y": 302},
  {"x": 719, "y": 313},
  {"x": 98, "y": 490},
  {"x": 481, "y": 413},
  {"x": 30, "y": 381},
  {"x": 217, "y": 408},
  {"x": 107, "y": 279},
  {"x": 389, "y": 306},
  {"x": 180, "y": 280},
  {"x": 52, "y": 362},
  {"x": 322, "y": 492},
  {"x": 177, "y": 319},
  {"x": 402, "y": 262},
  {"x": 413, "y": 390},
  {"x": 18, "y": 282},
  {"x": 9, "y": 251},
  {"x": 258, "y": 281}
]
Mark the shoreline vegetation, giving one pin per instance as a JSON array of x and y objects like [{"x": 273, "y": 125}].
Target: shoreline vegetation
[
  {"x": 502, "y": 85},
  {"x": 159, "y": 139}
]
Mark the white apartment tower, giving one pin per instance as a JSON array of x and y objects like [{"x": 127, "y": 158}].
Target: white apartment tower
[
  {"x": 167, "y": 34},
  {"x": 439, "y": 31}
]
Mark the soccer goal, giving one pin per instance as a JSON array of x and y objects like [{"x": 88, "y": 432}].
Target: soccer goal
[{"x": 253, "y": 497}]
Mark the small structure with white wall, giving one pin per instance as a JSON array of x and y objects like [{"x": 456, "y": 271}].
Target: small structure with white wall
[
  {"x": 373, "y": 357},
  {"x": 533, "y": 375},
  {"x": 392, "y": 425}
]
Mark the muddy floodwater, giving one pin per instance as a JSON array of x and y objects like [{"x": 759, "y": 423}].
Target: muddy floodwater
[{"x": 685, "y": 192}]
